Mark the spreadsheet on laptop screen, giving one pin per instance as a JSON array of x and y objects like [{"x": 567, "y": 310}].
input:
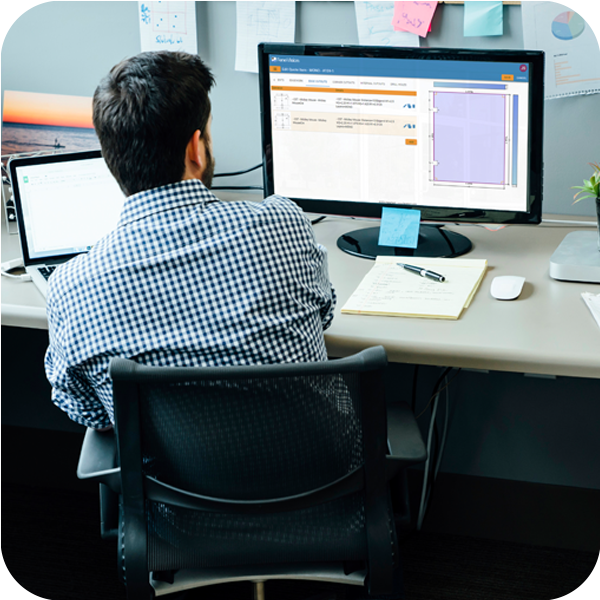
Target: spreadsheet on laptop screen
[{"x": 67, "y": 206}]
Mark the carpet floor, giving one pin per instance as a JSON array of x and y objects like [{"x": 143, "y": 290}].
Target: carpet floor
[{"x": 51, "y": 545}]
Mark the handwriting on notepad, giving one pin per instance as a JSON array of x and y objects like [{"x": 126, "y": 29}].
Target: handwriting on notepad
[{"x": 387, "y": 290}]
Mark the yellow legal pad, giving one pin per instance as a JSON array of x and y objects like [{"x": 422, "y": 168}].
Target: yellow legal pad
[{"x": 389, "y": 290}]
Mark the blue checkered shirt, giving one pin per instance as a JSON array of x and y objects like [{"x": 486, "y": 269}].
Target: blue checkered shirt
[{"x": 186, "y": 279}]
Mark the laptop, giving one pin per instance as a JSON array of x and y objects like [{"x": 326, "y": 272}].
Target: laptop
[{"x": 65, "y": 203}]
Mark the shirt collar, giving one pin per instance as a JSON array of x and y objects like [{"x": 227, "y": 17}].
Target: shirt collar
[{"x": 144, "y": 204}]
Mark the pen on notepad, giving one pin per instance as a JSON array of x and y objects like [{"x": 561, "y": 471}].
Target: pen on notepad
[{"x": 422, "y": 272}]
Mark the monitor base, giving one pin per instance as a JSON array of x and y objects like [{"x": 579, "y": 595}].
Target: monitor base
[{"x": 434, "y": 242}]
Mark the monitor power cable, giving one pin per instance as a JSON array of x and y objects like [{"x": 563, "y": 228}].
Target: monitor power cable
[
  {"x": 432, "y": 465},
  {"x": 235, "y": 174}
]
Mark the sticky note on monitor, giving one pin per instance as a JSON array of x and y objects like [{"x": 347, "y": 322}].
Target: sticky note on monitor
[{"x": 399, "y": 227}]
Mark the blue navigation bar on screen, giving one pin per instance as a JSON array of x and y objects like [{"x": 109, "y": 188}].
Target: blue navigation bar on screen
[{"x": 401, "y": 67}]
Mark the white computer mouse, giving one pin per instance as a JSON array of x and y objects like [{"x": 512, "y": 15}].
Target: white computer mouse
[{"x": 507, "y": 287}]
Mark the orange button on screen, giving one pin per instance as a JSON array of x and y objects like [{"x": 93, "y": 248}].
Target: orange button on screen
[
  {"x": 411, "y": 142},
  {"x": 508, "y": 77},
  {"x": 275, "y": 69}
]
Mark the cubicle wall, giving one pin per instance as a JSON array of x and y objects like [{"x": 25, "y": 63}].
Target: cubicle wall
[{"x": 66, "y": 47}]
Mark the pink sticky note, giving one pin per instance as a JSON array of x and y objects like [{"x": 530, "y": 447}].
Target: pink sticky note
[
  {"x": 413, "y": 16},
  {"x": 396, "y": 28}
]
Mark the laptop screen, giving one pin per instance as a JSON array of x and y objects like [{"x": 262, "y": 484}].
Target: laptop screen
[{"x": 65, "y": 204}]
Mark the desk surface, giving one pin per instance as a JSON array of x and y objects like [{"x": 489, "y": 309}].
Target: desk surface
[{"x": 547, "y": 330}]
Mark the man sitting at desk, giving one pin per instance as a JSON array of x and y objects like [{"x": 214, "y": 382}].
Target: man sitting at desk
[{"x": 185, "y": 279}]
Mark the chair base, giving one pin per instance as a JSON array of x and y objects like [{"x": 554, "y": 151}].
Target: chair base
[{"x": 189, "y": 579}]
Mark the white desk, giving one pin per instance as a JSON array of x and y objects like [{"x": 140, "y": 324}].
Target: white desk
[
  {"x": 548, "y": 330},
  {"x": 22, "y": 304}
]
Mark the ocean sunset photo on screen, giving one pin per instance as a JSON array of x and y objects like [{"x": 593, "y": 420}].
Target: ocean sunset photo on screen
[{"x": 35, "y": 122}]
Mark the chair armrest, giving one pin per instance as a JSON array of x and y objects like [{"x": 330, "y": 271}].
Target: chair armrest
[
  {"x": 405, "y": 442},
  {"x": 98, "y": 459}
]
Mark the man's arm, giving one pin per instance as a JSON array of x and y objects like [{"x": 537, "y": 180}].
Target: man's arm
[
  {"x": 72, "y": 391},
  {"x": 327, "y": 292}
]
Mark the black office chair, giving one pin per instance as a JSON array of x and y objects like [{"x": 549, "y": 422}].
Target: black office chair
[{"x": 252, "y": 473}]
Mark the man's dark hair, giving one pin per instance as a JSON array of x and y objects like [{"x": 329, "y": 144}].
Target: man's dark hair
[{"x": 145, "y": 112}]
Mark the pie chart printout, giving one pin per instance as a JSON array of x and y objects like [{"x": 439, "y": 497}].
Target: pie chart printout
[{"x": 568, "y": 25}]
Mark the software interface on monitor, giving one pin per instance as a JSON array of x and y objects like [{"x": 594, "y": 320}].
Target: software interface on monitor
[
  {"x": 429, "y": 133},
  {"x": 68, "y": 206}
]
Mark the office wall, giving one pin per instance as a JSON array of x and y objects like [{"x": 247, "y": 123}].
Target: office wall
[{"x": 66, "y": 47}]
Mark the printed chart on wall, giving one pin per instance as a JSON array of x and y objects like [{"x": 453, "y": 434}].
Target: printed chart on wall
[
  {"x": 168, "y": 26},
  {"x": 572, "y": 54}
]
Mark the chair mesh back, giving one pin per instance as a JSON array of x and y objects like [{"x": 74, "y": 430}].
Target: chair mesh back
[{"x": 246, "y": 440}]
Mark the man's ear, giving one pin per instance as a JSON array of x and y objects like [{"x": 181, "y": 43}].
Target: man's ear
[{"x": 194, "y": 157}]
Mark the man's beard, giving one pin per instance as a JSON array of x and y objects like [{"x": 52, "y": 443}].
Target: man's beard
[{"x": 209, "y": 171}]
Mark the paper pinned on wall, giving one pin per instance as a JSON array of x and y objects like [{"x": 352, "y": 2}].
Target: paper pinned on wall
[
  {"x": 168, "y": 26},
  {"x": 374, "y": 24},
  {"x": 483, "y": 18},
  {"x": 261, "y": 22},
  {"x": 572, "y": 53},
  {"x": 414, "y": 17}
]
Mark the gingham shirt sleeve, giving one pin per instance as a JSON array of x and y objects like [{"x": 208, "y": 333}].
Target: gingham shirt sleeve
[
  {"x": 329, "y": 297},
  {"x": 72, "y": 391},
  {"x": 326, "y": 292}
]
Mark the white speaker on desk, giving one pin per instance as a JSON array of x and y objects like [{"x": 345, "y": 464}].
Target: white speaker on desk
[{"x": 577, "y": 258}]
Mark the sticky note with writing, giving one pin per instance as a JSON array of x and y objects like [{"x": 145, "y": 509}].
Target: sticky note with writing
[
  {"x": 399, "y": 227},
  {"x": 413, "y": 16}
]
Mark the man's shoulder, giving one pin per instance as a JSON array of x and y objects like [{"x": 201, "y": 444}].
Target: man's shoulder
[
  {"x": 281, "y": 202},
  {"x": 277, "y": 206}
]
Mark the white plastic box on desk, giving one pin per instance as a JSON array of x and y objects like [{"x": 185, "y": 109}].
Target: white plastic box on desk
[{"x": 577, "y": 258}]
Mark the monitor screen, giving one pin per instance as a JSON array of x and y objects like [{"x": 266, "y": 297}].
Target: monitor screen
[{"x": 456, "y": 134}]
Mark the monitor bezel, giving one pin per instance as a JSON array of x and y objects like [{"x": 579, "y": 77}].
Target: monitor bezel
[{"x": 534, "y": 58}]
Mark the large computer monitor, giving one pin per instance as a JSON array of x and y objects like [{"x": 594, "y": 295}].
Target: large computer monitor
[{"x": 455, "y": 134}]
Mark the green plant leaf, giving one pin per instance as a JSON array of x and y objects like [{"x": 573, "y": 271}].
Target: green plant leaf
[
  {"x": 583, "y": 197},
  {"x": 590, "y": 187}
]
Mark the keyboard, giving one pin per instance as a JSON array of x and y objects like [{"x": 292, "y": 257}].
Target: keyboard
[{"x": 47, "y": 271}]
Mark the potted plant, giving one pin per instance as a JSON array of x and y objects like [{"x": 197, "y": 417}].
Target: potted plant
[{"x": 591, "y": 189}]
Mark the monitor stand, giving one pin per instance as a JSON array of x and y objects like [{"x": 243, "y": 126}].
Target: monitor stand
[{"x": 434, "y": 242}]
